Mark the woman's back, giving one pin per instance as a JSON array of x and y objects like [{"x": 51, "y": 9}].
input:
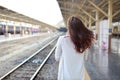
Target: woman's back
[{"x": 71, "y": 62}]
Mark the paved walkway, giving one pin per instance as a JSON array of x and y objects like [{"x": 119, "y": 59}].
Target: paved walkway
[
  {"x": 17, "y": 36},
  {"x": 102, "y": 65}
]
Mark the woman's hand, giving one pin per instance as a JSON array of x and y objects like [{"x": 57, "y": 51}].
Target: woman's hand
[{"x": 57, "y": 62}]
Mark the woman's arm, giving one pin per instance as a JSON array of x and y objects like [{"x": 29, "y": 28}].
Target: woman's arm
[
  {"x": 57, "y": 62},
  {"x": 58, "y": 51}
]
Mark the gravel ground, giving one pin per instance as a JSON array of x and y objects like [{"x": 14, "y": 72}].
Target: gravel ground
[
  {"x": 17, "y": 51},
  {"x": 49, "y": 71}
]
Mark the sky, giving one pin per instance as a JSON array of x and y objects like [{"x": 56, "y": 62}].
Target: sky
[{"x": 43, "y": 10}]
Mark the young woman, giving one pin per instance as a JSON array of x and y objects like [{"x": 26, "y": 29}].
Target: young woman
[{"x": 70, "y": 50}]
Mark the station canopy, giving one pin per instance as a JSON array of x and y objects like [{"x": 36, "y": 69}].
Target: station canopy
[
  {"x": 87, "y": 8},
  {"x": 8, "y": 14}
]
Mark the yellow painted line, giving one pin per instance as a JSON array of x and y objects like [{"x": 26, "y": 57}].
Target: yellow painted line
[{"x": 87, "y": 77}]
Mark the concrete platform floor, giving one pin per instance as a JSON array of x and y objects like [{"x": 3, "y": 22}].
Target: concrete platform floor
[
  {"x": 102, "y": 65},
  {"x": 18, "y": 36}
]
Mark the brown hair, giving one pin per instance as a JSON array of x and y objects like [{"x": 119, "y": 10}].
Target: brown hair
[{"x": 81, "y": 37}]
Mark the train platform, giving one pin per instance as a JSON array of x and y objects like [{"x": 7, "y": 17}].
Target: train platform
[
  {"x": 102, "y": 65},
  {"x": 18, "y": 36}
]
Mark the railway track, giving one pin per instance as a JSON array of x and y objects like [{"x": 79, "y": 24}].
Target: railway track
[
  {"x": 28, "y": 68},
  {"x": 47, "y": 71}
]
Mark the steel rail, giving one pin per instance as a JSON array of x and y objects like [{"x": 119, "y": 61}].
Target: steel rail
[{"x": 43, "y": 63}]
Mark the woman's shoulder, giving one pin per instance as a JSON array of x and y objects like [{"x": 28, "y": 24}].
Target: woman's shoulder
[
  {"x": 60, "y": 37},
  {"x": 63, "y": 36}
]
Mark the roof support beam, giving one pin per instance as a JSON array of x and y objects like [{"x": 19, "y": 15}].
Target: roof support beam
[
  {"x": 78, "y": 6},
  {"x": 89, "y": 7},
  {"x": 82, "y": 18},
  {"x": 14, "y": 18},
  {"x": 116, "y": 13},
  {"x": 102, "y": 17},
  {"x": 68, "y": 2},
  {"x": 77, "y": 13},
  {"x": 72, "y": 3},
  {"x": 87, "y": 13},
  {"x": 112, "y": 15},
  {"x": 89, "y": 23},
  {"x": 104, "y": 5},
  {"x": 101, "y": 3},
  {"x": 83, "y": 3},
  {"x": 85, "y": 23},
  {"x": 98, "y": 8},
  {"x": 70, "y": 10}
]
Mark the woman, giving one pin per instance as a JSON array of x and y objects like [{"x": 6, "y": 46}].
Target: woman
[{"x": 70, "y": 50}]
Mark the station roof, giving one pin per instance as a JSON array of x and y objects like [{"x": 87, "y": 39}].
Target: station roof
[
  {"x": 14, "y": 16},
  {"x": 87, "y": 8}
]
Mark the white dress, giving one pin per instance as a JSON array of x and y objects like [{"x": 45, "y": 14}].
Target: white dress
[{"x": 71, "y": 66}]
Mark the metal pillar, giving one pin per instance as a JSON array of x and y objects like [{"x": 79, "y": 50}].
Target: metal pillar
[
  {"x": 20, "y": 29},
  {"x": 14, "y": 29},
  {"x": 97, "y": 24},
  {"x": 6, "y": 29},
  {"x": 110, "y": 23}
]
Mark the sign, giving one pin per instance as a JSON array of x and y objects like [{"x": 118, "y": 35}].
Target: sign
[{"x": 110, "y": 30}]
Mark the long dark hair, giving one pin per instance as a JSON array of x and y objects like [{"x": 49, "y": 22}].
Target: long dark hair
[{"x": 81, "y": 37}]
